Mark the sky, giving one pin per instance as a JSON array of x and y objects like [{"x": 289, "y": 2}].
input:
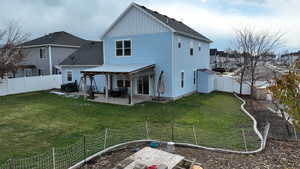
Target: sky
[{"x": 216, "y": 19}]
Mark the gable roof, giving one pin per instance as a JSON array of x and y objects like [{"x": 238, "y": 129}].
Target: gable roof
[
  {"x": 91, "y": 53},
  {"x": 57, "y": 38},
  {"x": 178, "y": 26},
  {"x": 170, "y": 23}
]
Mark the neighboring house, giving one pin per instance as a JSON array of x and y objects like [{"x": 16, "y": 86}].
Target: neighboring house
[
  {"x": 44, "y": 54},
  {"x": 141, "y": 44},
  {"x": 222, "y": 59},
  {"x": 87, "y": 56},
  {"x": 290, "y": 58}
]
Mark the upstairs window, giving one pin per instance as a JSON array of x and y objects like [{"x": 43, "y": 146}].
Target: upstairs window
[
  {"x": 191, "y": 51},
  {"x": 191, "y": 48},
  {"x": 182, "y": 79},
  {"x": 123, "y": 48},
  {"x": 42, "y": 53},
  {"x": 179, "y": 43}
]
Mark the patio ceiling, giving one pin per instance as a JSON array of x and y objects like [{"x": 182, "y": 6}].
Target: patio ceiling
[{"x": 118, "y": 69}]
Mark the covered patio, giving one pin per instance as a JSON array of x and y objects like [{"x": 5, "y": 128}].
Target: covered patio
[{"x": 125, "y": 84}]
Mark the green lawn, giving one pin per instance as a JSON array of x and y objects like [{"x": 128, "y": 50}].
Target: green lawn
[{"x": 34, "y": 122}]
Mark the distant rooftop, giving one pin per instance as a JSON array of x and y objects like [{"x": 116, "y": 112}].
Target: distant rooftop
[
  {"x": 57, "y": 38},
  {"x": 91, "y": 53}
]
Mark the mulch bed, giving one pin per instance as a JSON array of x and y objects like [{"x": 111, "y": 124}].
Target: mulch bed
[
  {"x": 260, "y": 112},
  {"x": 278, "y": 155}
]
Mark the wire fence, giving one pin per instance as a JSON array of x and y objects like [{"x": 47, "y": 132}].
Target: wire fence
[{"x": 240, "y": 139}]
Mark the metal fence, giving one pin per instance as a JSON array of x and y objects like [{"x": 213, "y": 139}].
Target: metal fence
[{"x": 62, "y": 158}]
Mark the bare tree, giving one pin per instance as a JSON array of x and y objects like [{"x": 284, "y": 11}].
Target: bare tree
[
  {"x": 11, "y": 51},
  {"x": 254, "y": 47}
]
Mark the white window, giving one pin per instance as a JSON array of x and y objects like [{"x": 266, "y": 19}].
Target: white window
[
  {"x": 199, "y": 47},
  {"x": 179, "y": 43},
  {"x": 123, "y": 48},
  {"x": 69, "y": 76},
  {"x": 40, "y": 72},
  {"x": 182, "y": 79},
  {"x": 191, "y": 48},
  {"x": 42, "y": 53},
  {"x": 195, "y": 76}
]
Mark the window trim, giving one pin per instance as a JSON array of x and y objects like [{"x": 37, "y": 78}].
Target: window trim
[
  {"x": 182, "y": 78},
  {"x": 123, "y": 48},
  {"x": 40, "y": 72},
  {"x": 69, "y": 71},
  {"x": 42, "y": 53}
]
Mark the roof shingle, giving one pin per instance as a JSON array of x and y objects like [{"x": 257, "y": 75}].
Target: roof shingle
[
  {"x": 91, "y": 53},
  {"x": 56, "y": 38}
]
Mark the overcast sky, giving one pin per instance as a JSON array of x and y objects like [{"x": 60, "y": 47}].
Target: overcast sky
[{"x": 215, "y": 19}]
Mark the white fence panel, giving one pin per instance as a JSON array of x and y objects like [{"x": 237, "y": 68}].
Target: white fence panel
[
  {"x": 230, "y": 85},
  {"x": 29, "y": 84}
]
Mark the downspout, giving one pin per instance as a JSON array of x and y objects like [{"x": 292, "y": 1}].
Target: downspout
[{"x": 50, "y": 59}]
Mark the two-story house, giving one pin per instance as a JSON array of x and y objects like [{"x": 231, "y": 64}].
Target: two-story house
[
  {"x": 44, "y": 54},
  {"x": 141, "y": 44}
]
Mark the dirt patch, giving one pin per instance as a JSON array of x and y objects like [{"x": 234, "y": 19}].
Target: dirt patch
[{"x": 278, "y": 155}]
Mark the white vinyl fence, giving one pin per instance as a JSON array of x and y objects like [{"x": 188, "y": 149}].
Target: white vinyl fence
[
  {"x": 29, "y": 84},
  {"x": 229, "y": 84}
]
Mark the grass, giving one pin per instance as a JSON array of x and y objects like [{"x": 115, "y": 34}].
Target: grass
[{"x": 34, "y": 122}]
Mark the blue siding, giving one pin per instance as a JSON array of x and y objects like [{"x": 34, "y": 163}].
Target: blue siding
[
  {"x": 206, "y": 82},
  {"x": 183, "y": 61},
  {"x": 100, "y": 79},
  {"x": 146, "y": 49}
]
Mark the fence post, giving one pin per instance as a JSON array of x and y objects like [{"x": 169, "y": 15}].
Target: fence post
[
  {"x": 147, "y": 130},
  {"x": 296, "y": 137},
  {"x": 105, "y": 138},
  {"x": 244, "y": 138},
  {"x": 172, "y": 131},
  {"x": 84, "y": 148},
  {"x": 53, "y": 157},
  {"x": 195, "y": 136}
]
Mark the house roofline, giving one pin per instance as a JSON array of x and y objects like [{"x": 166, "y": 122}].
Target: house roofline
[
  {"x": 79, "y": 65},
  {"x": 54, "y": 45}
]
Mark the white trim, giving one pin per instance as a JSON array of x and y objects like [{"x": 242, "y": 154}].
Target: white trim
[
  {"x": 54, "y": 45},
  {"x": 50, "y": 60},
  {"x": 173, "y": 64},
  {"x": 194, "y": 37},
  {"x": 103, "y": 46},
  {"x": 125, "y": 12},
  {"x": 62, "y": 66},
  {"x": 123, "y": 48},
  {"x": 43, "y": 53}
]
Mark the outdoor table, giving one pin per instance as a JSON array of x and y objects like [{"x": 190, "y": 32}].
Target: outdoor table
[{"x": 149, "y": 156}]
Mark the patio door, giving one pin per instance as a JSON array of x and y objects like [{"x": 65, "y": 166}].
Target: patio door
[{"x": 143, "y": 85}]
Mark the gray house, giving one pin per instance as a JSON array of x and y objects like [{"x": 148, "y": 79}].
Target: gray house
[
  {"x": 44, "y": 54},
  {"x": 89, "y": 55}
]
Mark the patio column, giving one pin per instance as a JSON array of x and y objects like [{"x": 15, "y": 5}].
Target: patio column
[
  {"x": 106, "y": 88},
  {"x": 131, "y": 90},
  {"x": 84, "y": 86}
]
